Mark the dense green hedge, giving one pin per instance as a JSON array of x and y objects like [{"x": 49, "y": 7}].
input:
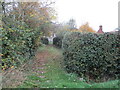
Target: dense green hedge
[
  {"x": 57, "y": 41},
  {"x": 18, "y": 45},
  {"x": 92, "y": 55},
  {"x": 45, "y": 40}
]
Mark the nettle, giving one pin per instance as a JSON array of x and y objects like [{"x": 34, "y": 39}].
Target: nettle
[{"x": 95, "y": 56}]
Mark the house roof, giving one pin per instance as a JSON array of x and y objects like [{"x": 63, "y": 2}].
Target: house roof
[{"x": 100, "y": 29}]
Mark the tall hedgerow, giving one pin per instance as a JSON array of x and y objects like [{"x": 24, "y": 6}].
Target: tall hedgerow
[
  {"x": 18, "y": 45},
  {"x": 22, "y": 24},
  {"x": 92, "y": 55}
]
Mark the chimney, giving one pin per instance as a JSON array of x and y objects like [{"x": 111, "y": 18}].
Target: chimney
[{"x": 100, "y": 29}]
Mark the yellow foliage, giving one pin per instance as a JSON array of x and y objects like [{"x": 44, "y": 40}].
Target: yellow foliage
[
  {"x": 1, "y": 54},
  {"x": 83, "y": 28},
  {"x": 86, "y": 28},
  {"x": 12, "y": 66},
  {"x": 32, "y": 12}
]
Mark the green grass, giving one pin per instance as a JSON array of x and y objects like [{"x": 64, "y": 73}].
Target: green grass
[
  {"x": 56, "y": 77},
  {"x": 109, "y": 84}
]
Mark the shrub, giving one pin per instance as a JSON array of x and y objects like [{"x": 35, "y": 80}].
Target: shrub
[
  {"x": 45, "y": 40},
  {"x": 57, "y": 41},
  {"x": 18, "y": 45},
  {"x": 91, "y": 55}
]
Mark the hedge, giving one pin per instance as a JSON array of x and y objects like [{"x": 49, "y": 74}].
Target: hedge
[
  {"x": 18, "y": 45},
  {"x": 91, "y": 55},
  {"x": 45, "y": 40},
  {"x": 57, "y": 41}
]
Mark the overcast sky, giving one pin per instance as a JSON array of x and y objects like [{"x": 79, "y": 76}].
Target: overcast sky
[{"x": 96, "y": 12}]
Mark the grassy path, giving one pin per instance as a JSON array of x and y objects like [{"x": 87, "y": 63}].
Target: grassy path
[{"x": 47, "y": 71}]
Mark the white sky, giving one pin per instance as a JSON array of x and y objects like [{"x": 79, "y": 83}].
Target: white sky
[{"x": 96, "y": 12}]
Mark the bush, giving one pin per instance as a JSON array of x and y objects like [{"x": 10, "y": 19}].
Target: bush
[
  {"x": 45, "y": 40},
  {"x": 92, "y": 55},
  {"x": 18, "y": 45},
  {"x": 57, "y": 41}
]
